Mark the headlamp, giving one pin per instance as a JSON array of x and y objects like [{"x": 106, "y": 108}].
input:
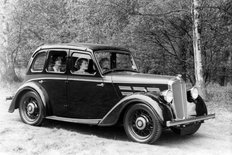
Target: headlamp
[{"x": 168, "y": 95}]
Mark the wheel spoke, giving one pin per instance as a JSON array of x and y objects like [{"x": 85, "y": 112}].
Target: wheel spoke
[{"x": 142, "y": 114}]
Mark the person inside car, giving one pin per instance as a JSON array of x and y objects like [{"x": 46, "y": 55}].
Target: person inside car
[
  {"x": 57, "y": 65},
  {"x": 105, "y": 64},
  {"x": 82, "y": 65}
]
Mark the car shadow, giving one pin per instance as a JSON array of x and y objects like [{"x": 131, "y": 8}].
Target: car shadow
[
  {"x": 108, "y": 132},
  {"x": 167, "y": 138}
]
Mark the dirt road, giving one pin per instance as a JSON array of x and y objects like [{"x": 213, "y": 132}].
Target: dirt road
[{"x": 53, "y": 137}]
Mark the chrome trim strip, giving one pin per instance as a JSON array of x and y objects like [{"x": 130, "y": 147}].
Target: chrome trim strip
[
  {"x": 126, "y": 93},
  {"x": 75, "y": 120},
  {"x": 153, "y": 89},
  {"x": 126, "y": 80},
  {"x": 46, "y": 78},
  {"x": 88, "y": 80},
  {"x": 125, "y": 88},
  {"x": 143, "y": 89},
  {"x": 65, "y": 78},
  {"x": 150, "y": 89},
  {"x": 191, "y": 120}
]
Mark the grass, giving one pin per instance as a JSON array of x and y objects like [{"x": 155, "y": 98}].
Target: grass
[{"x": 220, "y": 96}]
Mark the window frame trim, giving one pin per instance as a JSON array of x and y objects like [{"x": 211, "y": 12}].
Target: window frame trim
[{"x": 33, "y": 61}]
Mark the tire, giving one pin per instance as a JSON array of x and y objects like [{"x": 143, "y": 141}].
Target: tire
[
  {"x": 31, "y": 108},
  {"x": 141, "y": 124},
  {"x": 189, "y": 129}
]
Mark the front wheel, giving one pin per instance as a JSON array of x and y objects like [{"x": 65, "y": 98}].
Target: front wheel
[
  {"x": 31, "y": 108},
  {"x": 141, "y": 124}
]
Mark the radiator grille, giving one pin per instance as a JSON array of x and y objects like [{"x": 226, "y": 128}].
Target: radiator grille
[{"x": 179, "y": 99}]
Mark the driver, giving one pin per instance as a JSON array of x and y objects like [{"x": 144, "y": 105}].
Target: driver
[{"x": 105, "y": 64}]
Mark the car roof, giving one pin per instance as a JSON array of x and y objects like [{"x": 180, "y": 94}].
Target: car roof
[{"x": 81, "y": 46}]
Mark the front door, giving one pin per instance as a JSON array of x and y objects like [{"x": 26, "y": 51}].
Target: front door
[{"x": 89, "y": 96}]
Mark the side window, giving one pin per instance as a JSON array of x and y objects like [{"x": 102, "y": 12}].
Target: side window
[
  {"x": 82, "y": 64},
  {"x": 57, "y": 62},
  {"x": 39, "y": 62}
]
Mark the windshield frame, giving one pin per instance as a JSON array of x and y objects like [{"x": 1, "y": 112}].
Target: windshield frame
[{"x": 115, "y": 69}]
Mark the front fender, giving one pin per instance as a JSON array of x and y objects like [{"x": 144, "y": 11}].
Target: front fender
[
  {"x": 201, "y": 108},
  {"x": 29, "y": 86},
  {"x": 113, "y": 115}
]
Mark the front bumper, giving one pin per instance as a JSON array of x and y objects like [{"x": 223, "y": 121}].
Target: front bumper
[{"x": 190, "y": 120}]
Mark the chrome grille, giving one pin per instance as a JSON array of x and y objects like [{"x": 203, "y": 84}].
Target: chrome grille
[{"x": 179, "y": 99}]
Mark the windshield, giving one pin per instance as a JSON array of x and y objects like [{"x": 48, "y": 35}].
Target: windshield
[{"x": 114, "y": 60}]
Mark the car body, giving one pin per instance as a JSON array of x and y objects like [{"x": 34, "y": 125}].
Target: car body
[{"x": 105, "y": 96}]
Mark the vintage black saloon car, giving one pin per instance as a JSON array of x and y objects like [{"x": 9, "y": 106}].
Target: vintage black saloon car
[{"x": 100, "y": 85}]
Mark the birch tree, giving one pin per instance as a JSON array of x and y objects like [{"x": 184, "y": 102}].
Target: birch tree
[{"x": 197, "y": 50}]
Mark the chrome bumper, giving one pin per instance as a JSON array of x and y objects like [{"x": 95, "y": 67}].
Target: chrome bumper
[{"x": 190, "y": 120}]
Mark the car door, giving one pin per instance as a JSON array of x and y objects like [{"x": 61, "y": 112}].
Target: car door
[
  {"x": 55, "y": 81},
  {"x": 89, "y": 95}
]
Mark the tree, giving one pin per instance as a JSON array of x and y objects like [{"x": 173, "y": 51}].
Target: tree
[
  {"x": 159, "y": 33},
  {"x": 200, "y": 83}
]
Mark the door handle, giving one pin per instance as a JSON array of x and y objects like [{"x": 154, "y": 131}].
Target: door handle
[
  {"x": 100, "y": 85},
  {"x": 41, "y": 81}
]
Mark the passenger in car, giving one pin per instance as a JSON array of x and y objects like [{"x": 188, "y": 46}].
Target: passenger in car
[
  {"x": 82, "y": 65},
  {"x": 57, "y": 65}
]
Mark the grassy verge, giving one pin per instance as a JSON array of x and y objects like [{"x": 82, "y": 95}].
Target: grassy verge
[{"x": 220, "y": 97}]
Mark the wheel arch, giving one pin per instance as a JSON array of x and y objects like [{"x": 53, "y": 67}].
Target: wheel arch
[
  {"x": 116, "y": 114},
  {"x": 30, "y": 86}
]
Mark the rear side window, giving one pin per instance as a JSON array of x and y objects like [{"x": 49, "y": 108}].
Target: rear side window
[
  {"x": 38, "y": 63},
  {"x": 57, "y": 61}
]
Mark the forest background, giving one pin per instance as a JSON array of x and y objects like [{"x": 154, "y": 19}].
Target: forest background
[{"x": 158, "y": 32}]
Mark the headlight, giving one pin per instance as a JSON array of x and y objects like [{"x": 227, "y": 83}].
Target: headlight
[
  {"x": 194, "y": 92},
  {"x": 168, "y": 96}
]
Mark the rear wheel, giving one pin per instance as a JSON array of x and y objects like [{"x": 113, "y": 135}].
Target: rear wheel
[
  {"x": 31, "y": 108},
  {"x": 141, "y": 124}
]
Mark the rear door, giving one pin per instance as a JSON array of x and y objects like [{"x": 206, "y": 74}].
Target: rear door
[{"x": 55, "y": 81}]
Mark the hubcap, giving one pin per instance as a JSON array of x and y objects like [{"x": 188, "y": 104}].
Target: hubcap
[
  {"x": 31, "y": 108},
  {"x": 141, "y": 122}
]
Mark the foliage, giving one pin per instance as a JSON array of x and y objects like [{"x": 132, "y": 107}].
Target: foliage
[{"x": 159, "y": 33}]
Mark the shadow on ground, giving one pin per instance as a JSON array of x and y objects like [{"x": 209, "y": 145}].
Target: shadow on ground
[{"x": 118, "y": 133}]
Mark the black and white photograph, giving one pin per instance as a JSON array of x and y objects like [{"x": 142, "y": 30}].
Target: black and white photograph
[{"x": 98, "y": 77}]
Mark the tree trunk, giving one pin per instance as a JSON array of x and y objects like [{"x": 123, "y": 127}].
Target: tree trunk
[
  {"x": 8, "y": 70},
  {"x": 197, "y": 50}
]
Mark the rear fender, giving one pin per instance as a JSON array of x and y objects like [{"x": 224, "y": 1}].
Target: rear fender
[
  {"x": 113, "y": 115},
  {"x": 30, "y": 86}
]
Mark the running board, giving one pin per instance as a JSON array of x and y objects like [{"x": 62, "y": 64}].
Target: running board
[{"x": 74, "y": 120}]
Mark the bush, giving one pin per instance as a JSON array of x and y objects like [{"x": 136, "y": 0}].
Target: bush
[{"x": 218, "y": 93}]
